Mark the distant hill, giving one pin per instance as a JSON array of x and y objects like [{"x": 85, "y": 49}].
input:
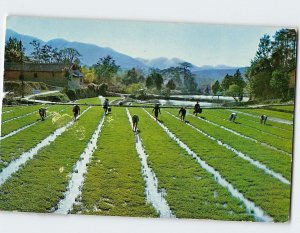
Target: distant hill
[
  {"x": 207, "y": 76},
  {"x": 91, "y": 53},
  {"x": 161, "y": 62}
]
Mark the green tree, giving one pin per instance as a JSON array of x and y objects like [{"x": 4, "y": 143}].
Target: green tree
[
  {"x": 235, "y": 91},
  {"x": 280, "y": 83},
  {"x": 268, "y": 74},
  {"x": 105, "y": 69},
  {"x": 149, "y": 81},
  {"x": 131, "y": 77},
  {"x": 171, "y": 84},
  {"x": 14, "y": 51},
  {"x": 216, "y": 87}
]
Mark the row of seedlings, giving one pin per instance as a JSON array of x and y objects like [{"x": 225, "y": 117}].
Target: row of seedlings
[
  {"x": 275, "y": 160},
  {"x": 190, "y": 190},
  {"x": 14, "y": 146},
  {"x": 284, "y": 145},
  {"x": 41, "y": 182},
  {"x": 10, "y": 126},
  {"x": 20, "y": 112},
  {"x": 270, "y": 194},
  {"x": 113, "y": 184}
]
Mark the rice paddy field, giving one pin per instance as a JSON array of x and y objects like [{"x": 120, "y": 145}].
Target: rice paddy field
[{"x": 205, "y": 167}]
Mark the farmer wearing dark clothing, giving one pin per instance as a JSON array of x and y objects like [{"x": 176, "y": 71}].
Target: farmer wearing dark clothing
[
  {"x": 156, "y": 110},
  {"x": 76, "y": 111},
  {"x": 263, "y": 119},
  {"x": 232, "y": 117},
  {"x": 105, "y": 106},
  {"x": 182, "y": 113},
  {"x": 42, "y": 112},
  {"x": 135, "y": 121},
  {"x": 197, "y": 108}
]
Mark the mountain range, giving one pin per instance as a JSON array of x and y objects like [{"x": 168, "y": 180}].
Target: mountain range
[{"x": 91, "y": 54}]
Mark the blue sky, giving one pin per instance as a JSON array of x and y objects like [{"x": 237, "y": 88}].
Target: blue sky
[{"x": 200, "y": 44}]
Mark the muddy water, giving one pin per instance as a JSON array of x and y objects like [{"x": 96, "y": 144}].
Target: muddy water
[
  {"x": 241, "y": 135},
  {"x": 80, "y": 169},
  {"x": 16, "y": 164},
  {"x": 257, "y": 164},
  {"x": 153, "y": 196},
  {"x": 256, "y": 211}
]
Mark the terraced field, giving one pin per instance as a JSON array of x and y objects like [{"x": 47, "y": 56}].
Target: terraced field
[{"x": 205, "y": 167}]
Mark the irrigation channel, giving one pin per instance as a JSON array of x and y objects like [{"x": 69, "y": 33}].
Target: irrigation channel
[
  {"x": 241, "y": 135},
  {"x": 77, "y": 177},
  {"x": 275, "y": 119},
  {"x": 26, "y": 126},
  {"x": 155, "y": 197},
  {"x": 240, "y": 154},
  {"x": 258, "y": 213},
  {"x": 15, "y": 165},
  {"x": 161, "y": 189}
]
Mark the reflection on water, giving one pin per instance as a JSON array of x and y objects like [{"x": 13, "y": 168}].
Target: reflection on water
[
  {"x": 208, "y": 97},
  {"x": 187, "y": 103}
]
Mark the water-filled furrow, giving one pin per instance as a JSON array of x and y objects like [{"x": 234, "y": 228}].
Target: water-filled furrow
[
  {"x": 23, "y": 158},
  {"x": 24, "y": 127},
  {"x": 242, "y": 135},
  {"x": 77, "y": 177},
  {"x": 269, "y": 118},
  {"x": 256, "y": 211},
  {"x": 256, "y": 163},
  {"x": 153, "y": 196},
  {"x": 257, "y": 122},
  {"x": 18, "y": 117}
]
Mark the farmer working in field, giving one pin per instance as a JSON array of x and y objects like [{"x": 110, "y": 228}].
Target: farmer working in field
[
  {"x": 156, "y": 110},
  {"x": 182, "y": 113},
  {"x": 263, "y": 119},
  {"x": 135, "y": 121},
  {"x": 76, "y": 111},
  {"x": 105, "y": 106},
  {"x": 42, "y": 112},
  {"x": 197, "y": 108},
  {"x": 232, "y": 117}
]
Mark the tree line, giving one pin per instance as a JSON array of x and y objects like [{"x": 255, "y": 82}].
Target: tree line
[{"x": 270, "y": 71}]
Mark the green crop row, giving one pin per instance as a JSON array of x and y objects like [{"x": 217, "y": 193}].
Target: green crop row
[
  {"x": 9, "y": 108},
  {"x": 41, "y": 183},
  {"x": 254, "y": 123},
  {"x": 114, "y": 184},
  {"x": 12, "y": 147},
  {"x": 216, "y": 117},
  {"x": 269, "y": 113},
  {"x": 275, "y": 160},
  {"x": 93, "y": 100},
  {"x": 191, "y": 191},
  {"x": 265, "y": 191},
  {"x": 10, "y": 126},
  {"x": 287, "y": 108},
  {"x": 20, "y": 112}
]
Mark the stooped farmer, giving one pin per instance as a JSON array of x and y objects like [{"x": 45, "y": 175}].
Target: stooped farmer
[
  {"x": 42, "y": 112},
  {"x": 182, "y": 113},
  {"x": 135, "y": 121},
  {"x": 232, "y": 117},
  {"x": 197, "y": 108},
  {"x": 105, "y": 106},
  {"x": 76, "y": 111},
  {"x": 263, "y": 119},
  {"x": 156, "y": 110}
]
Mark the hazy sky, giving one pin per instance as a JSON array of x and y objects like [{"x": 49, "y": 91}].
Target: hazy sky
[{"x": 200, "y": 44}]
